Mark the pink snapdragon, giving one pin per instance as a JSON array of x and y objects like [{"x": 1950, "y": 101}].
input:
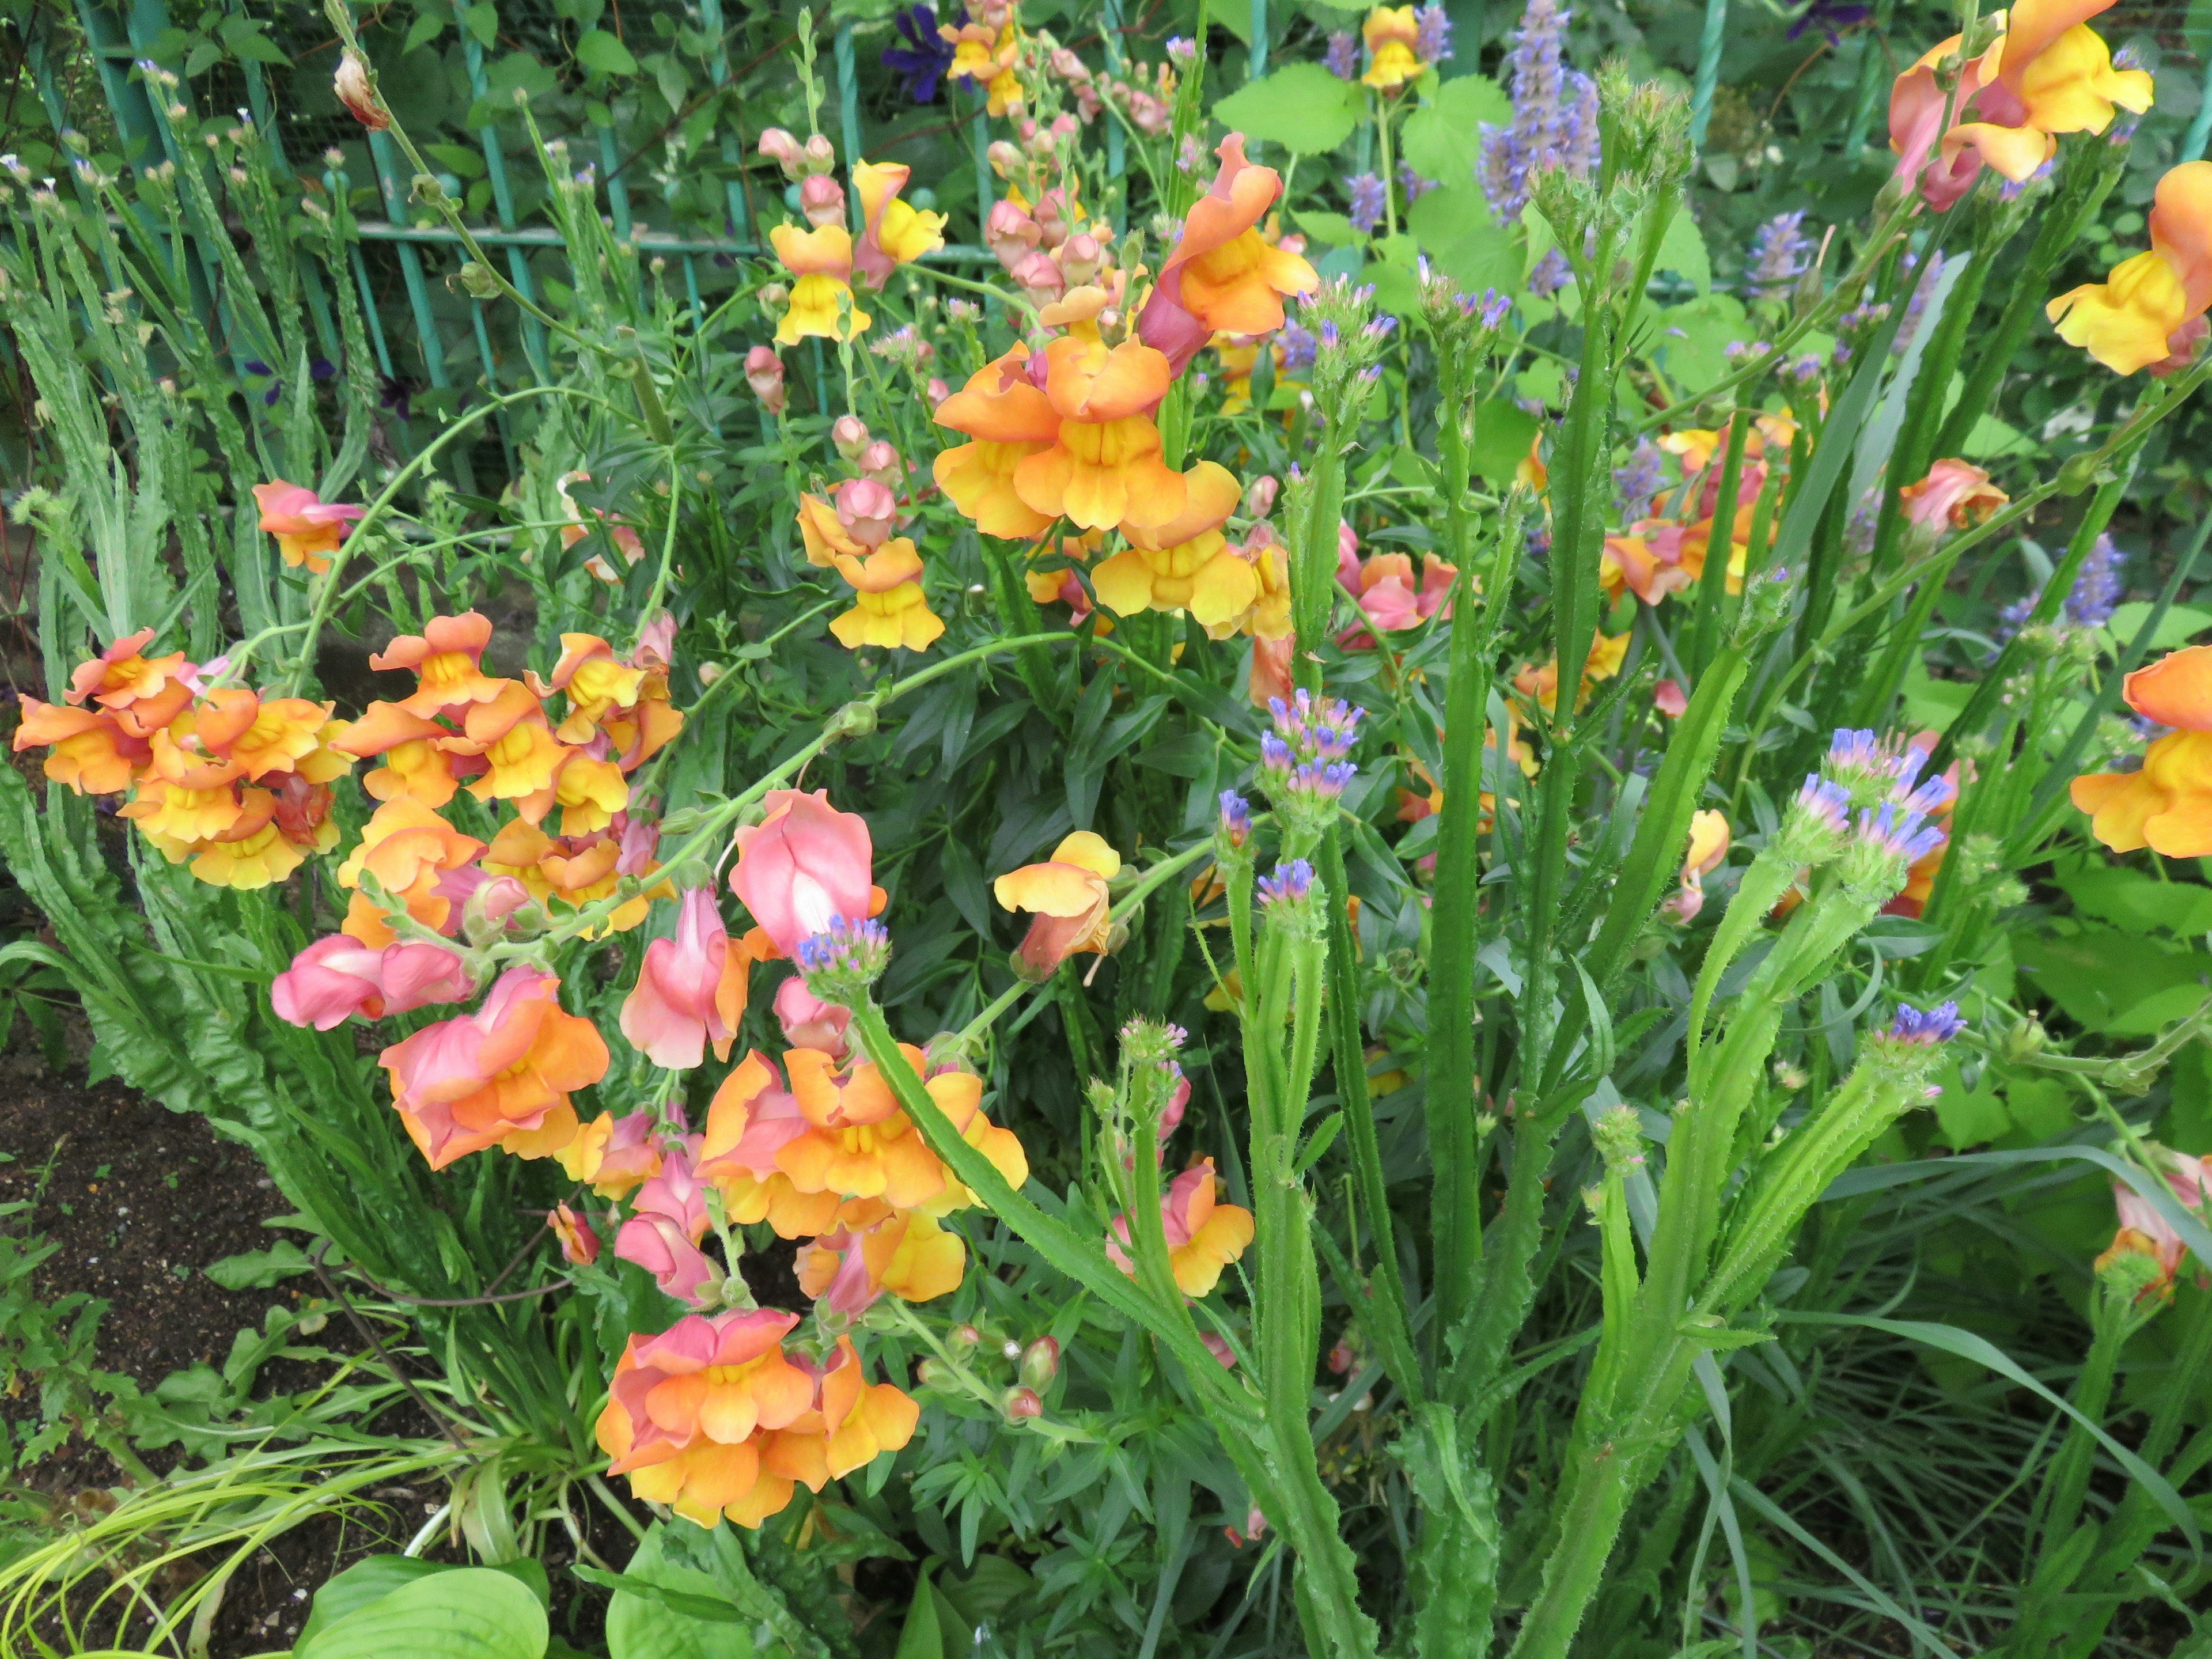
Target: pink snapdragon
[
  {"x": 338, "y": 977},
  {"x": 805, "y": 863},
  {"x": 690, "y": 990}
]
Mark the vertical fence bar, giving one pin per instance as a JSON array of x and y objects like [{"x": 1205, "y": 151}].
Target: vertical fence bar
[
  {"x": 502, "y": 196},
  {"x": 1117, "y": 157},
  {"x": 617, "y": 187},
  {"x": 1709, "y": 70},
  {"x": 311, "y": 274},
  {"x": 733, "y": 149},
  {"x": 1255, "y": 60}
]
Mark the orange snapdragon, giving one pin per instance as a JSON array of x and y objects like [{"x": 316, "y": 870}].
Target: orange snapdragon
[
  {"x": 1204, "y": 1236},
  {"x": 1222, "y": 276},
  {"x": 1185, "y": 564},
  {"x": 500, "y": 1076},
  {"x": 2167, "y": 806},
  {"x": 307, "y": 529},
  {"x": 2149, "y": 311},
  {"x": 1067, "y": 897}
]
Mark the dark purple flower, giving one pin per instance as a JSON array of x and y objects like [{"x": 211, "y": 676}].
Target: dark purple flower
[
  {"x": 1342, "y": 58},
  {"x": 921, "y": 63},
  {"x": 1369, "y": 201},
  {"x": 1935, "y": 1025}
]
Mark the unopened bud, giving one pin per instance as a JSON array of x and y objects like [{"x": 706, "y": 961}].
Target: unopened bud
[
  {"x": 964, "y": 1338},
  {"x": 850, "y": 436},
  {"x": 1021, "y": 1403},
  {"x": 819, "y": 156},
  {"x": 780, "y": 144},
  {"x": 475, "y": 280},
  {"x": 2025, "y": 1038},
  {"x": 934, "y": 1374},
  {"x": 1040, "y": 1362},
  {"x": 822, "y": 199}
]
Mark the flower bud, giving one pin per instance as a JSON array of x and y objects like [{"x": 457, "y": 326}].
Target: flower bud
[
  {"x": 2025, "y": 1040},
  {"x": 1040, "y": 1362},
  {"x": 1021, "y": 1403},
  {"x": 580, "y": 1241},
  {"x": 938, "y": 392},
  {"x": 880, "y": 463},
  {"x": 1260, "y": 496},
  {"x": 771, "y": 295},
  {"x": 1004, "y": 157},
  {"x": 357, "y": 93},
  {"x": 934, "y": 1374},
  {"x": 850, "y": 436},
  {"x": 765, "y": 374},
  {"x": 819, "y": 156},
  {"x": 964, "y": 1338},
  {"x": 780, "y": 144},
  {"x": 867, "y": 509},
  {"x": 477, "y": 281},
  {"x": 1081, "y": 257},
  {"x": 822, "y": 199}
]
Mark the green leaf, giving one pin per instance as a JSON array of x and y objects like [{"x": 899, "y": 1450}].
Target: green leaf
[
  {"x": 483, "y": 22},
  {"x": 2137, "y": 902},
  {"x": 921, "y": 1635},
  {"x": 1301, "y": 106},
  {"x": 2180, "y": 624},
  {"x": 2111, "y": 983},
  {"x": 1455, "y": 229},
  {"x": 1502, "y": 432},
  {"x": 1693, "y": 339},
  {"x": 378, "y": 1576},
  {"x": 243, "y": 35},
  {"x": 1682, "y": 251},
  {"x": 1720, "y": 1337},
  {"x": 601, "y": 53},
  {"x": 257, "y": 1270},
  {"x": 1991, "y": 437},
  {"x": 457, "y": 158},
  {"x": 1332, "y": 228},
  {"x": 427, "y": 27},
  {"x": 1442, "y": 139},
  {"x": 663, "y": 1610},
  {"x": 467, "y": 1613}
]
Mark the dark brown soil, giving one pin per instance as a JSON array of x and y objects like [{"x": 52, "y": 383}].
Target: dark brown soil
[{"x": 140, "y": 1200}]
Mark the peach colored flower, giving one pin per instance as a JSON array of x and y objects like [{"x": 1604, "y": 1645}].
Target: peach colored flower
[
  {"x": 1222, "y": 276},
  {"x": 906, "y": 1254},
  {"x": 613, "y": 1155},
  {"x": 1954, "y": 493},
  {"x": 1010, "y": 419},
  {"x": 143, "y": 693},
  {"x": 1204, "y": 1236},
  {"x": 690, "y": 990},
  {"x": 895, "y": 233},
  {"x": 1068, "y": 897},
  {"x": 2150, "y": 309},
  {"x": 803, "y": 864},
  {"x": 411, "y": 851},
  {"x": 88, "y": 750},
  {"x": 337, "y": 977},
  {"x": 447, "y": 659},
  {"x": 307, "y": 529},
  {"x": 500, "y": 1076},
  {"x": 751, "y": 1118},
  {"x": 579, "y": 1240}
]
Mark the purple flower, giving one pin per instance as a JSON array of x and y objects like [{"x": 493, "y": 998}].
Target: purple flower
[
  {"x": 923, "y": 60},
  {"x": 1290, "y": 883},
  {"x": 1901, "y": 834},
  {"x": 1830, "y": 17},
  {"x": 1432, "y": 35},
  {"x": 1380, "y": 328},
  {"x": 1552, "y": 274},
  {"x": 1369, "y": 201},
  {"x": 1932, "y": 274},
  {"x": 1636, "y": 483},
  {"x": 1342, "y": 58},
  {"x": 1235, "y": 825},
  {"x": 1298, "y": 346},
  {"x": 1182, "y": 52},
  {"x": 1826, "y": 801},
  {"x": 2097, "y": 589},
  {"x": 1321, "y": 728},
  {"x": 1779, "y": 252},
  {"x": 1554, "y": 116},
  {"x": 1411, "y": 184},
  {"x": 1937, "y": 1025},
  {"x": 846, "y": 951}
]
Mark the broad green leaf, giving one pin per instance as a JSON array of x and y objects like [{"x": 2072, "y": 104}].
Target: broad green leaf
[
  {"x": 1693, "y": 339},
  {"x": 257, "y": 1270},
  {"x": 426, "y": 27},
  {"x": 601, "y": 53},
  {"x": 2138, "y": 903},
  {"x": 379, "y": 1576},
  {"x": 1682, "y": 251},
  {"x": 1502, "y": 432},
  {"x": 469, "y": 1613},
  {"x": 921, "y": 1637},
  {"x": 2180, "y": 624},
  {"x": 1301, "y": 106},
  {"x": 1442, "y": 139},
  {"x": 483, "y": 22},
  {"x": 2111, "y": 983},
  {"x": 1332, "y": 229},
  {"x": 1992, "y": 437},
  {"x": 1454, "y": 229},
  {"x": 660, "y": 1623}
]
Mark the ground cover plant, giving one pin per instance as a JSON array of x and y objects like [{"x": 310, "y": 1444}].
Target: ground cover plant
[{"x": 1356, "y": 840}]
